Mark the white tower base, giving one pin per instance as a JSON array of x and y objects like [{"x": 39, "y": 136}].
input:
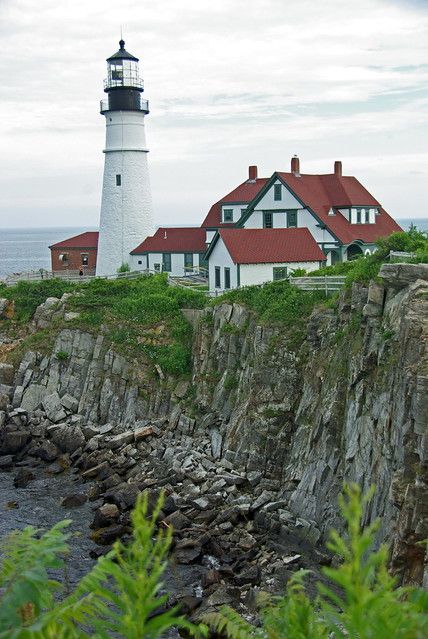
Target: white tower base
[{"x": 126, "y": 207}]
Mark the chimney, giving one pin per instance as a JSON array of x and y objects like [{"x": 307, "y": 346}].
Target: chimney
[
  {"x": 295, "y": 165},
  {"x": 338, "y": 168},
  {"x": 165, "y": 237},
  {"x": 252, "y": 173}
]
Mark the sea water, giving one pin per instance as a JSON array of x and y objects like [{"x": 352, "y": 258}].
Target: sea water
[{"x": 28, "y": 249}]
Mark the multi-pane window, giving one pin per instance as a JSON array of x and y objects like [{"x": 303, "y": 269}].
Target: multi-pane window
[
  {"x": 227, "y": 277},
  {"x": 166, "y": 262},
  {"x": 277, "y": 192},
  {"x": 203, "y": 264},
  {"x": 267, "y": 220},
  {"x": 291, "y": 219},
  {"x": 367, "y": 216},
  {"x": 217, "y": 277},
  {"x": 279, "y": 273},
  {"x": 188, "y": 261},
  {"x": 358, "y": 216},
  {"x": 85, "y": 259},
  {"x": 227, "y": 215},
  {"x": 243, "y": 212},
  {"x": 118, "y": 179}
]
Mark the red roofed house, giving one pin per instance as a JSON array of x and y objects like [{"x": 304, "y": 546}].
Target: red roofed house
[
  {"x": 178, "y": 251},
  {"x": 242, "y": 257},
  {"x": 344, "y": 219},
  {"x": 78, "y": 254}
]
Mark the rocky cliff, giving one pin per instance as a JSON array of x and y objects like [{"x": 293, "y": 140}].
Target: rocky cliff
[{"x": 271, "y": 424}]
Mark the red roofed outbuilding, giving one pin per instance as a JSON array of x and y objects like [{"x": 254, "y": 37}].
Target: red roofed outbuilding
[
  {"x": 178, "y": 251},
  {"x": 77, "y": 253}
]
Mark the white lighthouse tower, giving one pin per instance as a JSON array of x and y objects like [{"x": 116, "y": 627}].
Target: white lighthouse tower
[{"x": 126, "y": 207}]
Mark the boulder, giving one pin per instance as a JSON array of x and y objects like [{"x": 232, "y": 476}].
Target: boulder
[
  {"x": 117, "y": 441},
  {"x": 178, "y": 520},
  {"x": 251, "y": 574},
  {"x": 13, "y": 441},
  {"x": 68, "y": 438},
  {"x": 48, "y": 452},
  {"x": 23, "y": 477},
  {"x": 33, "y": 397},
  {"x": 106, "y": 536},
  {"x": 53, "y": 408},
  {"x": 74, "y": 500},
  {"x": 105, "y": 516},
  {"x": 187, "y": 551},
  {"x": 70, "y": 403}
]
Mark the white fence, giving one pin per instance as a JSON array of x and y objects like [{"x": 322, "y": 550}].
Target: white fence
[
  {"x": 326, "y": 283},
  {"x": 400, "y": 255},
  {"x": 69, "y": 276}
]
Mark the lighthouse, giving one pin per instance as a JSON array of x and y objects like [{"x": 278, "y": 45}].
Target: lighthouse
[{"x": 126, "y": 217}]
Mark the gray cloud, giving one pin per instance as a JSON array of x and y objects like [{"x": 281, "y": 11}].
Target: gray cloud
[{"x": 230, "y": 84}]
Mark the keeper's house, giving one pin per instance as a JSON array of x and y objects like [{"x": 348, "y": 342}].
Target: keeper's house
[
  {"x": 177, "y": 251},
  {"x": 76, "y": 254},
  {"x": 342, "y": 216},
  {"x": 241, "y": 257}
]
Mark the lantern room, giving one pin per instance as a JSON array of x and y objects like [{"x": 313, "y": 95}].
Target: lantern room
[
  {"x": 122, "y": 70},
  {"x": 123, "y": 83}
]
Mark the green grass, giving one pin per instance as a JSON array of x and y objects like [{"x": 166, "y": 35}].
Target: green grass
[{"x": 141, "y": 317}]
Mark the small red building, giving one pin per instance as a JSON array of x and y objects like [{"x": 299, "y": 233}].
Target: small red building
[{"x": 76, "y": 254}]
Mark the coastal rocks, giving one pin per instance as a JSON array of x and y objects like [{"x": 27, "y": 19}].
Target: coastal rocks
[
  {"x": 12, "y": 441},
  {"x": 68, "y": 437},
  {"x": 53, "y": 408}
]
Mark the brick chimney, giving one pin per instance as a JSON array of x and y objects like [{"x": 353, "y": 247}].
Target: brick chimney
[
  {"x": 252, "y": 173},
  {"x": 295, "y": 165},
  {"x": 338, "y": 168}
]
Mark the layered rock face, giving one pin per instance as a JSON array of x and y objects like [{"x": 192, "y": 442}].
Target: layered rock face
[{"x": 273, "y": 421}]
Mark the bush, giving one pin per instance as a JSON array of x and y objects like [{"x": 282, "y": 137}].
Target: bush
[
  {"x": 29, "y": 295},
  {"x": 278, "y": 302}
]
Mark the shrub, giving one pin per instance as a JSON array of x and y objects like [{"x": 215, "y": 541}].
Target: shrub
[
  {"x": 124, "y": 268},
  {"x": 62, "y": 356}
]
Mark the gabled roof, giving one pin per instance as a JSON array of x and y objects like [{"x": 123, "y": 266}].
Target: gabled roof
[
  {"x": 320, "y": 193},
  {"x": 269, "y": 246},
  {"x": 173, "y": 240},
  {"x": 88, "y": 240},
  {"x": 243, "y": 194}
]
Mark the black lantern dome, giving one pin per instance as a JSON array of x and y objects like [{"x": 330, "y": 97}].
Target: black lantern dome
[{"x": 123, "y": 83}]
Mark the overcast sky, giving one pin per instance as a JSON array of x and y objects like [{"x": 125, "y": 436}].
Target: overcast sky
[{"x": 230, "y": 83}]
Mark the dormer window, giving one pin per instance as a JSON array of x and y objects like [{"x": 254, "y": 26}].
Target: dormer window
[
  {"x": 277, "y": 192},
  {"x": 227, "y": 215}
]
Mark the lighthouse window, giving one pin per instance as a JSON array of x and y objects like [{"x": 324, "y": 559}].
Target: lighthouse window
[{"x": 118, "y": 179}]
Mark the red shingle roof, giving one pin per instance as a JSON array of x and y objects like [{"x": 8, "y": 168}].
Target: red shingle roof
[
  {"x": 173, "y": 240},
  {"x": 270, "y": 246},
  {"x": 243, "y": 193},
  {"x": 323, "y": 192},
  {"x": 83, "y": 241}
]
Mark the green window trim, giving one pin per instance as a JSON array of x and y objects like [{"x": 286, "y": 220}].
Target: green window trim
[
  {"x": 166, "y": 262},
  {"x": 267, "y": 220},
  {"x": 277, "y": 192},
  {"x": 188, "y": 260},
  {"x": 217, "y": 273},
  {"x": 279, "y": 273},
  {"x": 226, "y": 277},
  {"x": 291, "y": 219},
  {"x": 227, "y": 215}
]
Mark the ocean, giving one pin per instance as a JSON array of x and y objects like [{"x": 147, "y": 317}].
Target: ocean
[{"x": 28, "y": 249}]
